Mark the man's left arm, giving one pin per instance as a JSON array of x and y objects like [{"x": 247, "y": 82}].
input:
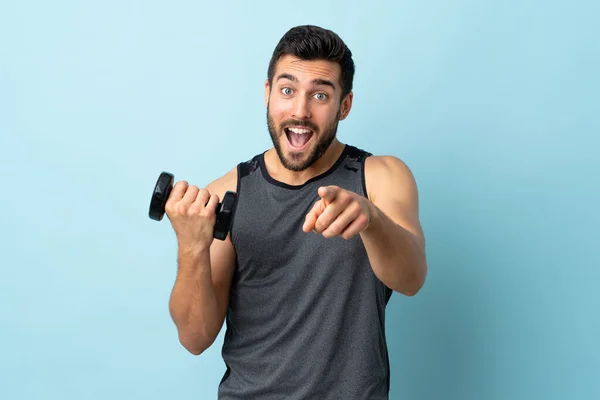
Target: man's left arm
[
  {"x": 394, "y": 238},
  {"x": 387, "y": 221}
]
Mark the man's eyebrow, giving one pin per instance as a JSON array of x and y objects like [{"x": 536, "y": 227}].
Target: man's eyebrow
[
  {"x": 287, "y": 76},
  {"x": 325, "y": 82},
  {"x": 318, "y": 81}
]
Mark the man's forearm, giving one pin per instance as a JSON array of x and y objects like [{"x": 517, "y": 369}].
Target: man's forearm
[
  {"x": 397, "y": 256},
  {"x": 193, "y": 303}
]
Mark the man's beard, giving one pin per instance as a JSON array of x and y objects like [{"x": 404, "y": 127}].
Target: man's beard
[{"x": 293, "y": 162}]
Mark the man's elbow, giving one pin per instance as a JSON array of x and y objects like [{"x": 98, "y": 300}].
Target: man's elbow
[
  {"x": 194, "y": 344},
  {"x": 411, "y": 284},
  {"x": 195, "y": 351},
  {"x": 411, "y": 291}
]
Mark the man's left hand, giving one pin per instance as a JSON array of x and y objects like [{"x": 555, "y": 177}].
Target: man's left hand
[{"x": 339, "y": 212}]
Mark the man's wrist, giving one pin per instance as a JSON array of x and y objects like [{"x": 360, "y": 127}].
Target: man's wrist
[
  {"x": 375, "y": 218},
  {"x": 193, "y": 250}
]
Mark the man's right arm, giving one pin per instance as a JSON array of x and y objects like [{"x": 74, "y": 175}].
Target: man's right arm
[{"x": 200, "y": 295}]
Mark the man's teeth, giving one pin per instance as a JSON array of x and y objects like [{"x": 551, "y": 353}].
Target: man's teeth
[{"x": 299, "y": 131}]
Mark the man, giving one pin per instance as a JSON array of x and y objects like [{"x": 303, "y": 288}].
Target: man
[{"x": 323, "y": 234}]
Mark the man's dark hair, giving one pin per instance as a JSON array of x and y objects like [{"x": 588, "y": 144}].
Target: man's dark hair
[{"x": 310, "y": 42}]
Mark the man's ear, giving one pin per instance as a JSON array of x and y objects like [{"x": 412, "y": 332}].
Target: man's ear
[
  {"x": 267, "y": 92},
  {"x": 346, "y": 106}
]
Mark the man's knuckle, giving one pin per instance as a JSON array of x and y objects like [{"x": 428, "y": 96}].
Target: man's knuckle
[{"x": 363, "y": 220}]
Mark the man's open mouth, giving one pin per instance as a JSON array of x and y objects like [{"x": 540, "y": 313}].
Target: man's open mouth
[{"x": 298, "y": 137}]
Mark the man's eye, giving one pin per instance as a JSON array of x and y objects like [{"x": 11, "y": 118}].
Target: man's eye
[
  {"x": 286, "y": 91},
  {"x": 321, "y": 96}
]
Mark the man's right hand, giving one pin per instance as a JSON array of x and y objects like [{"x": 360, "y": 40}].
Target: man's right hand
[{"x": 192, "y": 212}]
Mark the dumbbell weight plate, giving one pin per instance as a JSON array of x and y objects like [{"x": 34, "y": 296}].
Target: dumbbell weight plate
[
  {"x": 225, "y": 213},
  {"x": 162, "y": 190}
]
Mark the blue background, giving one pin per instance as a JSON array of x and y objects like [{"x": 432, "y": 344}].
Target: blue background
[{"x": 493, "y": 104}]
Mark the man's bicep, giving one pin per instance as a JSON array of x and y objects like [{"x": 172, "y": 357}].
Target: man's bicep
[
  {"x": 222, "y": 262},
  {"x": 393, "y": 190},
  {"x": 222, "y": 252}
]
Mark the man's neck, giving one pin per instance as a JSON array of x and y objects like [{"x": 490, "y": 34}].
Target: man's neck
[{"x": 278, "y": 172}]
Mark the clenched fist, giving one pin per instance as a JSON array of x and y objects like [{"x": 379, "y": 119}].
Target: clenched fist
[
  {"x": 339, "y": 212},
  {"x": 192, "y": 212}
]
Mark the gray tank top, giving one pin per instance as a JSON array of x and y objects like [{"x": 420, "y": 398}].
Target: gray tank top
[{"x": 306, "y": 315}]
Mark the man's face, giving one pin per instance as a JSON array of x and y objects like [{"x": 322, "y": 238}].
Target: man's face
[{"x": 303, "y": 109}]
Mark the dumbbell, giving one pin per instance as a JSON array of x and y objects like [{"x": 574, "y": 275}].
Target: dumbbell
[{"x": 225, "y": 209}]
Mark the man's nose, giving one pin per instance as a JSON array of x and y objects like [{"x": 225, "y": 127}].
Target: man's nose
[{"x": 301, "y": 107}]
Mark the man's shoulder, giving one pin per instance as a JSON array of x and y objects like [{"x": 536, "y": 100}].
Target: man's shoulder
[
  {"x": 229, "y": 180},
  {"x": 385, "y": 164},
  {"x": 250, "y": 165},
  {"x": 224, "y": 183},
  {"x": 386, "y": 172}
]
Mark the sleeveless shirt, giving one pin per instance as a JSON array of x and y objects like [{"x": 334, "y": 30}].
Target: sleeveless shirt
[{"x": 306, "y": 314}]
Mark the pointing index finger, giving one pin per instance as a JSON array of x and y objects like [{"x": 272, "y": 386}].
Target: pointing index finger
[{"x": 328, "y": 193}]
